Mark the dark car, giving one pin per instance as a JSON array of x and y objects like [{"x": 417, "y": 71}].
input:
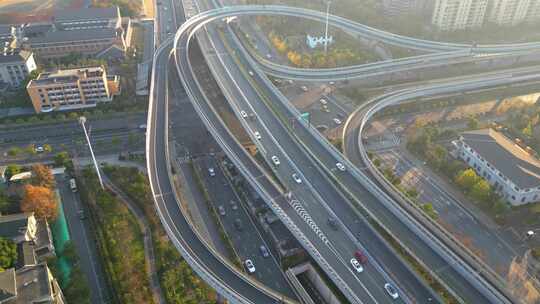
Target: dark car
[
  {"x": 238, "y": 224},
  {"x": 360, "y": 256},
  {"x": 332, "y": 223},
  {"x": 264, "y": 251}
]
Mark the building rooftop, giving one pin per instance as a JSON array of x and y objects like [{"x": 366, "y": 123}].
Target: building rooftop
[
  {"x": 33, "y": 285},
  {"x": 14, "y": 56},
  {"x": 13, "y": 224},
  {"x": 5, "y": 30},
  {"x": 69, "y": 36},
  {"x": 26, "y": 255},
  {"x": 67, "y": 76},
  {"x": 8, "y": 285},
  {"x": 87, "y": 14},
  {"x": 509, "y": 158}
]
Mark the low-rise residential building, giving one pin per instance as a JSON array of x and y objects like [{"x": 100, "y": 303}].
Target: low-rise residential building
[
  {"x": 87, "y": 18},
  {"x": 15, "y": 66},
  {"x": 512, "y": 170},
  {"x": 61, "y": 43},
  {"x": 7, "y": 34},
  {"x": 30, "y": 284},
  {"x": 72, "y": 89},
  {"x": 24, "y": 228}
]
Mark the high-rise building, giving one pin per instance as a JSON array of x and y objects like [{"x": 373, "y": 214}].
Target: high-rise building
[
  {"x": 450, "y": 15},
  {"x": 72, "y": 89},
  {"x": 512, "y": 12},
  {"x": 404, "y": 7}
]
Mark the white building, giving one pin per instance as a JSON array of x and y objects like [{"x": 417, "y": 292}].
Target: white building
[
  {"x": 510, "y": 169},
  {"x": 512, "y": 12},
  {"x": 451, "y": 15},
  {"x": 404, "y": 7},
  {"x": 15, "y": 65}
]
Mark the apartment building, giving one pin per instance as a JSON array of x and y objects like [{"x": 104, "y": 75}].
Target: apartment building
[
  {"x": 450, "y": 15},
  {"x": 87, "y": 18},
  {"x": 15, "y": 65},
  {"x": 509, "y": 167},
  {"x": 393, "y": 8},
  {"x": 72, "y": 89},
  {"x": 512, "y": 12}
]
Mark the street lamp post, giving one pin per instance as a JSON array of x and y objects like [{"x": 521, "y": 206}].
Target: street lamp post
[
  {"x": 326, "y": 28},
  {"x": 82, "y": 121}
]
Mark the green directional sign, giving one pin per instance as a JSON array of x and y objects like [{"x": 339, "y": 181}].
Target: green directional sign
[{"x": 305, "y": 116}]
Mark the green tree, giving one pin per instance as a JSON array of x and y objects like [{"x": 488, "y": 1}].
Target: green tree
[
  {"x": 473, "y": 123},
  {"x": 14, "y": 151},
  {"x": 12, "y": 170},
  {"x": 61, "y": 158},
  {"x": 481, "y": 190},
  {"x": 436, "y": 156},
  {"x": 8, "y": 253},
  {"x": 466, "y": 179},
  {"x": 115, "y": 141}
]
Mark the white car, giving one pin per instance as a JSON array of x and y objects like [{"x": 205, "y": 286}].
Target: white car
[
  {"x": 39, "y": 149},
  {"x": 323, "y": 101},
  {"x": 250, "y": 73},
  {"x": 331, "y": 83},
  {"x": 337, "y": 121},
  {"x": 391, "y": 290},
  {"x": 257, "y": 135},
  {"x": 249, "y": 266},
  {"x": 243, "y": 114},
  {"x": 297, "y": 178},
  {"x": 275, "y": 160},
  {"x": 290, "y": 81},
  {"x": 356, "y": 265},
  {"x": 340, "y": 167},
  {"x": 268, "y": 56},
  {"x": 304, "y": 88},
  {"x": 211, "y": 172}
]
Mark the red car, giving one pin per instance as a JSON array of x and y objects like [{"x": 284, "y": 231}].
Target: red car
[{"x": 361, "y": 257}]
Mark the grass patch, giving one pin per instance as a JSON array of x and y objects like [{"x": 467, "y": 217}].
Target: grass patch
[
  {"x": 120, "y": 243},
  {"x": 178, "y": 281}
]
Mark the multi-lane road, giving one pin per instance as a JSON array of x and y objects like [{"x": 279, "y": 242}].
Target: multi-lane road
[{"x": 308, "y": 204}]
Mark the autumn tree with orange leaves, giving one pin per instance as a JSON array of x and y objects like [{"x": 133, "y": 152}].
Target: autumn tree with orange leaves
[
  {"x": 39, "y": 200},
  {"x": 42, "y": 176}
]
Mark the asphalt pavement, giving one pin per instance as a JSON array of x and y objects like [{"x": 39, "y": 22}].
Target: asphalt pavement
[{"x": 83, "y": 238}]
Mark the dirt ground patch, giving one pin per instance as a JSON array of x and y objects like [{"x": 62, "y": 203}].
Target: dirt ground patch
[{"x": 19, "y": 11}]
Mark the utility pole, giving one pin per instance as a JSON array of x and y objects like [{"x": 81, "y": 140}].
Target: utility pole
[
  {"x": 82, "y": 121},
  {"x": 326, "y": 28}
]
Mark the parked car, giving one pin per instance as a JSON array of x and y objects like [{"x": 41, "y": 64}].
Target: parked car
[
  {"x": 39, "y": 149},
  {"x": 337, "y": 121},
  {"x": 304, "y": 88},
  {"x": 211, "y": 171},
  {"x": 323, "y": 101},
  {"x": 250, "y": 73},
  {"x": 391, "y": 290},
  {"x": 249, "y": 266},
  {"x": 275, "y": 160},
  {"x": 243, "y": 114},
  {"x": 356, "y": 265},
  {"x": 257, "y": 135}
]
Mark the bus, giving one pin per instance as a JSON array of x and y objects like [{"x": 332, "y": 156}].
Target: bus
[{"x": 73, "y": 185}]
